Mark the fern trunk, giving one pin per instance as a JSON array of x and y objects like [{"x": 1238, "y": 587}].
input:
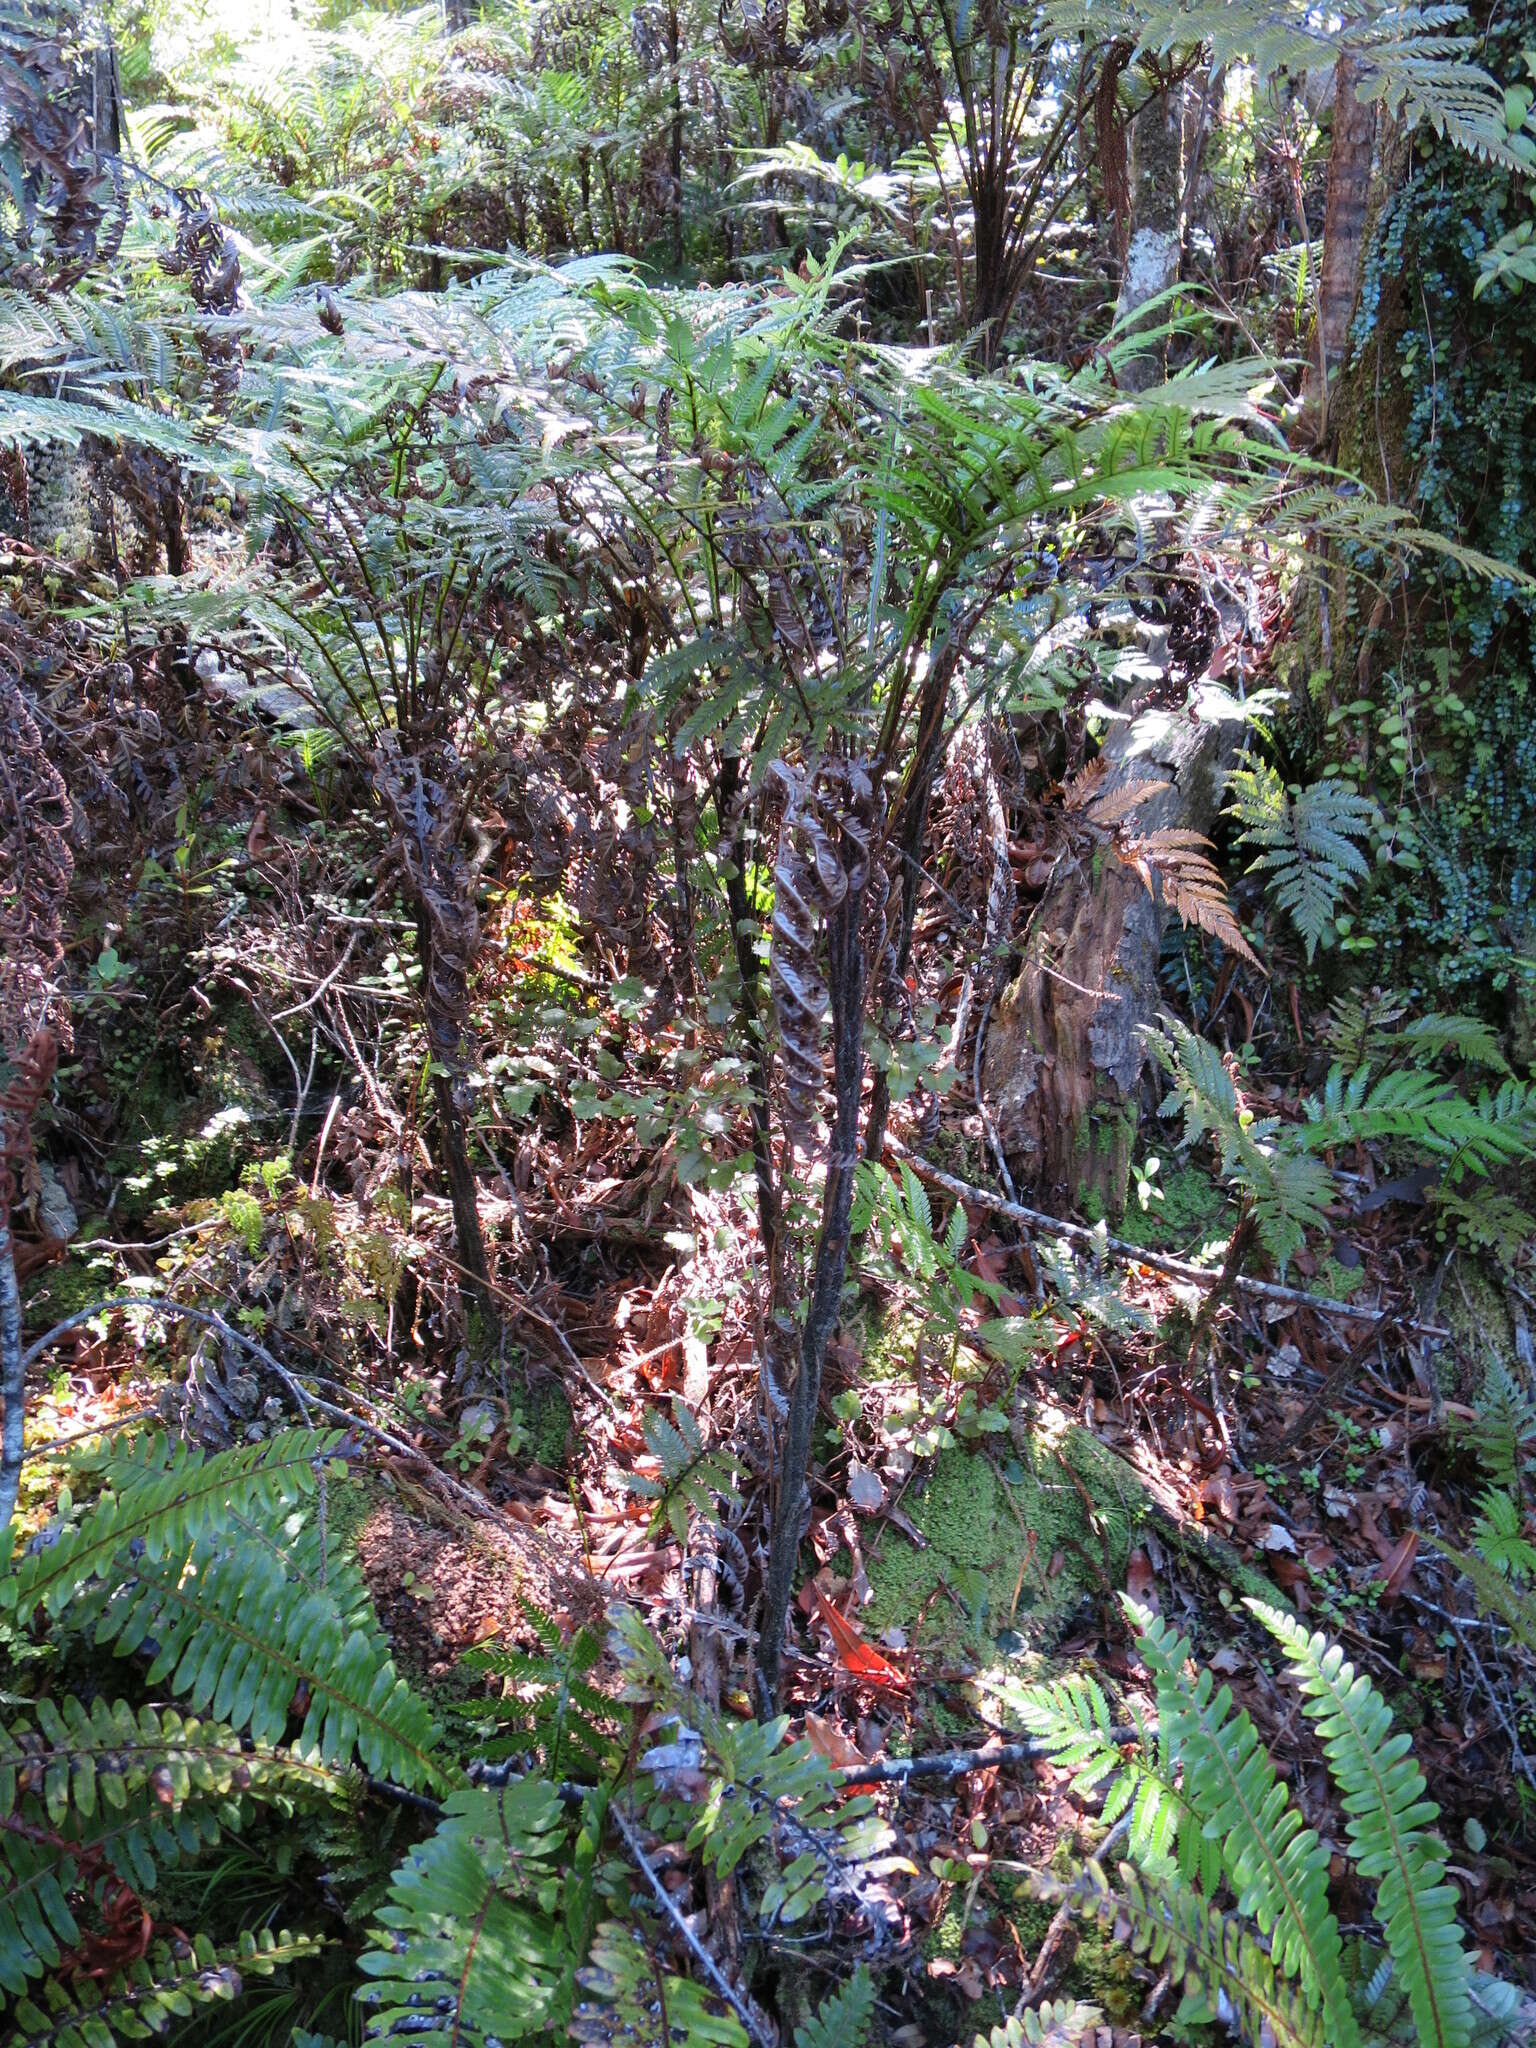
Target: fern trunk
[{"x": 1067, "y": 1045}]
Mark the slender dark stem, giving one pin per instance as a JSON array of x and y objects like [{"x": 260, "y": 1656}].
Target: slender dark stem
[
  {"x": 845, "y": 962},
  {"x": 13, "y": 1378}
]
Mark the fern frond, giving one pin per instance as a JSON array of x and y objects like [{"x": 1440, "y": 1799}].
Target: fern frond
[
  {"x": 1432, "y": 1037},
  {"x": 548, "y": 1703},
  {"x": 1178, "y": 860},
  {"x": 1476, "y": 1135},
  {"x": 1383, "y": 1792},
  {"x": 630, "y": 2002},
  {"x": 1306, "y": 841},
  {"x": 162, "y": 1496},
  {"x": 465, "y": 1949},
  {"x": 842, "y": 2019},
  {"x": 692, "y": 1472},
  {"x": 1055, "y": 2024},
  {"x": 229, "y": 1630},
  {"x": 1212, "y": 1955},
  {"x": 141, "y": 2002},
  {"x": 1276, "y": 1864},
  {"x": 1498, "y": 1596}
]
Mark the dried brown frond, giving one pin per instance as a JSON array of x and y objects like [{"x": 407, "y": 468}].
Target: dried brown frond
[{"x": 1177, "y": 860}]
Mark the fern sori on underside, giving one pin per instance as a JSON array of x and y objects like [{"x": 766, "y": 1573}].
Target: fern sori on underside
[
  {"x": 470, "y": 1945},
  {"x": 1307, "y": 843},
  {"x": 1383, "y": 1791},
  {"x": 108, "y": 1793},
  {"x": 144, "y": 2000}
]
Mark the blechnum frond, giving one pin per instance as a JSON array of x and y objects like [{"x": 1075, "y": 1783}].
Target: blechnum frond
[
  {"x": 1383, "y": 1793},
  {"x": 144, "y": 2000},
  {"x": 692, "y": 1472},
  {"x": 1306, "y": 842},
  {"x": 547, "y": 1702},
  {"x": 1276, "y": 1865},
  {"x": 1072, "y": 1715},
  {"x": 1211, "y": 1954},
  {"x": 166, "y": 1557},
  {"x": 841, "y": 2020},
  {"x": 1056, "y": 2023}
]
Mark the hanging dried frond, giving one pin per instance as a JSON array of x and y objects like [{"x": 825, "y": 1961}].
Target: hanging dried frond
[
  {"x": 1178, "y": 861},
  {"x": 63, "y": 203},
  {"x": 204, "y": 253},
  {"x": 826, "y": 848},
  {"x": 35, "y": 871}
]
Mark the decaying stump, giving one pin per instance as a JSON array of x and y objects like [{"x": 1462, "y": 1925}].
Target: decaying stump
[{"x": 1067, "y": 1047}]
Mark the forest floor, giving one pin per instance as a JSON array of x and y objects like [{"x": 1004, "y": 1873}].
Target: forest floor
[{"x": 975, "y": 1517}]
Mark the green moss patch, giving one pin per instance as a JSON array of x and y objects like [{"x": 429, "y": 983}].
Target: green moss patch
[
  {"x": 1014, "y": 1541},
  {"x": 1192, "y": 1212}
]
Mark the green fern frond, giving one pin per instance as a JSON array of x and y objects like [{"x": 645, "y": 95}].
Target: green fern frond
[
  {"x": 46, "y": 1867},
  {"x": 1276, "y": 1864},
  {"x": 692, "y": 1472},
  {"x": 1469, "y": 1039},
  {"x": 162, "y": 1496},
  {"x": 79, "y": 1757},
  {"x": 1498, "y": 1596},
  {"x": 1211, "y": 1954},
  {"x": 1383, "y": 1792},
  {"x": 228, "y": 1630},
  {"x": 630, "y": 2002},
  {"x": 469, "y": 1944},
  {"x": 1306, "y": 841},
  {"x": 843, "y": 2019},
  {"x": 1055, "y": 2024},
  {"x": 1421, "y": 1109},
  {"x": 141, "y": 2002},
  {"x": 1499, "y": 1535},
  {"x": 547, "y": 1703}
]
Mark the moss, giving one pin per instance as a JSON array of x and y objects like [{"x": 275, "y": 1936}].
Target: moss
[
  {"x": 1192, "y": 1212},
  {"x": 1012, "y": 1545},
  {"x": 547, "y": 1414}
]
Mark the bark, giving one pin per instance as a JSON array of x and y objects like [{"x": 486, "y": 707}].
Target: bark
[
  {"x": 1346, "y": 216},
  {"x": 1156, "y": 241},
  {"x": 845, "y": 962},
  {"x": 1067, "y": 1047}
]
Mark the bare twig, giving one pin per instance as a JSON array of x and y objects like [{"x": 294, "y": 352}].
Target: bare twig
[{"x": 1140, "y": 1255}]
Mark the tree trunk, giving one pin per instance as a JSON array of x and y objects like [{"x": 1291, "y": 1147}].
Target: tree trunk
[
  {"x": 1345, "y": 218},
  {"x": 1156, "y": 238},
  {"x": 1067, "y": 1046}
]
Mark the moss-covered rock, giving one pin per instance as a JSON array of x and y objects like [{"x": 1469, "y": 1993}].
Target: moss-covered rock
[{"x": 1015, "y": 1539}]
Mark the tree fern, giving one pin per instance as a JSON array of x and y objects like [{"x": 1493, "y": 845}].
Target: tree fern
[
  {"x": 1276, "y": 1864},
  {"x": 469, "y": 1944},
  {"x": 141, "y": 2002},
  {"x": 1306, "y": 841},
  {"x": 1383, "y": 1792}
]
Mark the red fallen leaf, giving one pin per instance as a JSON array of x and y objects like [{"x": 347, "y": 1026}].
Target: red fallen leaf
[
  {"x": 1140, "y": 1579},
  {"x": 828, "y": 1740},
  {"x": 1396, "y": 1569},
  {"x": 858, "y": 1656}
]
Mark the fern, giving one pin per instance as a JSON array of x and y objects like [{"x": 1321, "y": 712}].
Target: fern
[
  {"x": 1306, "y": 841},
  {"x": 469, "y": 1944},
  {"x": 843, "y": 2019},
  {"x": 1055, "y": 2024},
  {"x": 1512, "y": 1604},
  {"x": 1498, "y": 1534},
  {"x": 1420, "y": 1109},
  {"x": 692, "y": 1474},
  {"x": 630, "y": 2002},
  {"x": 160, "y": 1497},
  {"x": 1276, "y": 1865},
  {"x": 1383, "y": 1792},
  {"x": 141, "y": 2002},
  {"x": 548, "y": 1702}
]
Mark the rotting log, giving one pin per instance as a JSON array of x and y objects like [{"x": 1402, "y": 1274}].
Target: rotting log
[{"x": 1067, "y": 1047}]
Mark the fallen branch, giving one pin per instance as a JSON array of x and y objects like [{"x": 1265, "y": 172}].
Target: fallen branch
[
  {"x": 1139, "y": 1255},
  {"x": 958, "y": 1763}
]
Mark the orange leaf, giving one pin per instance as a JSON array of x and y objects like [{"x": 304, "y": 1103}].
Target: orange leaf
[
  {"x": 859, "y": 1657},
  {"x": 828, "y": 1740}
]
